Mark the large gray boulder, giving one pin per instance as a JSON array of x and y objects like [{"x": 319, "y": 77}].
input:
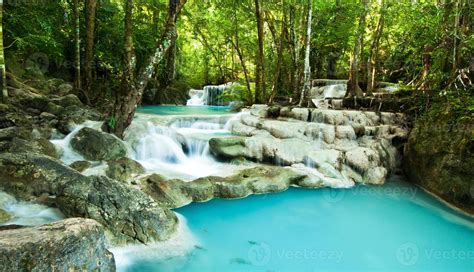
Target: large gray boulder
[
  {"x": 124, "y": 169},
  {"x": 129, "y": 214},
  {"x": 97, "y": 145},
  {"x": 74, "y": 244}
]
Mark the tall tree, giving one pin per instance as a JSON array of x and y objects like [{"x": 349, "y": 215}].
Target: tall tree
[
  {"x": 236, "y": 46},
  {"x": 374, "y": 51},
  {"x": 77, "y": 44},
  {"x": 91, "y": 8},
  {"x": 130, "y": 94},
  {"x": 307, "y": 66},
  {"x": 3, "y": 80},
  {"x": 259, "y": 69},
  {"x": 353, "y": 88}
]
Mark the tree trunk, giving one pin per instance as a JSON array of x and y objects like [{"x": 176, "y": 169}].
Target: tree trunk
[
  {"x": 132, "y": 89},
  {"x": 426, "y": 67},
  {"x": 91, "y": 8},
  {"x": 77, "y": 45},
  {"x": 353, "y": 88},
  {"x": 3, "y": 79},
  {"x": 374, "y": 53},
  {"x": 206, "y": 66},
  {"x": 259, "y": 69},
  {"x": 279, "y": 62},
  {"x": 307, "y": 67},
  {"x": 244, "y": 68}
]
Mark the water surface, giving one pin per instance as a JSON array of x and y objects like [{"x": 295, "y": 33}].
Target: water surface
[{"x": 390, "y": 228}]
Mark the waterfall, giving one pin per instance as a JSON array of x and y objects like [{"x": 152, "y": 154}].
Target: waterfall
[
  {"x": 178, "y": 148},
  {"x": 210, "y": 95},
  {"x": 197, "y": 98}
]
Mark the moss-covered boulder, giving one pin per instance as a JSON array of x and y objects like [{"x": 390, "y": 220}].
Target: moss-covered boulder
[
  {"x": 129, "y": 214},
  {"x": 74, "y": 244},
  {"x": 97, "y": 145},
  {"x": 439, "y": 154},
  {"x": 80, "y": 166},
  {"x": 124, "y": 169}
]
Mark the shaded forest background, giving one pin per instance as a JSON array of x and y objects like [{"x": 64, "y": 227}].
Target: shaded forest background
[{"x": 115, "y": 50}]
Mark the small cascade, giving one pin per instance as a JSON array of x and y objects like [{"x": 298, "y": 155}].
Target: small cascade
[
  {"x": 210, "y": 95},
  {"x": 197, "y": 98},
  {"x": 160, "y": 144},
  {"x": 179, "y": 147},
  {"x": 27, "y": 214},
  {"x": 68, "y": 154}
]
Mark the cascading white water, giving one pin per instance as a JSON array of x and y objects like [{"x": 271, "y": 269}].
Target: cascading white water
[
  {"x": 197, "y": 98},
  {"x": 179, "y": 148},
  {"x": 27, "y": 214},
  {"x": 209, "y": 95}
]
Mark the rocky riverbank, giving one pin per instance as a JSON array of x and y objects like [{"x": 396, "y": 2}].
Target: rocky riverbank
[{"x": 439, "y": 154}]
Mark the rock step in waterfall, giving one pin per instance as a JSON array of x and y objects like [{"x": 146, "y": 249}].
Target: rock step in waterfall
[
  {"x": 329, "y": 145},
  {"x": 328, "y": 93}
]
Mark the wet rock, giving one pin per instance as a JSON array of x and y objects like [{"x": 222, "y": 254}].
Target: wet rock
[
  {"x": 228, "y": 147},
  {"x": 80, "y": 166},
  {"x": 4, "y": 216},
  {"x": 129, "y": 214},
  {"x": 64, "y": 89},
  {"x": 19, "y": 140},
  {"x": 166, "y": 192},
  {"x": 67, "y": 100},
  {"x": 259, "y": 110},
  {"x": 301, "y": 114},
  {"x": 439, "y": 154},
  {"x": 97, "y": 145},
  {"x": 69, "y": 245},
  {"x": 258, "y": 180},
  {"x": 124, "y": 169}
]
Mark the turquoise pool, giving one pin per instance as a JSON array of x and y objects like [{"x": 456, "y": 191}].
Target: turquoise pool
[
  {"x": 390, "y": 228},
  {"x": 185, "y": 110}
]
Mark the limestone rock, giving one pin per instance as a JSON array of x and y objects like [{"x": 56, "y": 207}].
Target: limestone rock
[
  {"x": 124, "y": 169},
  {"x": 80, "y": 166},
  {"x": 257, "y": 180},
  {"x": 259, "y": 110},
  {"x": 74, "y": 244},
  {"x": 228, "y": 147},
  {"x": 98, "y": 145},
  {"x": 129, "y": 214}
]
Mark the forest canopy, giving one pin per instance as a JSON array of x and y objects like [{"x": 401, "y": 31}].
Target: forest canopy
[{"x": 107, "y": 46}]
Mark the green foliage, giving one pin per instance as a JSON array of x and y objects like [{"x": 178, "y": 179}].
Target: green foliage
[
  {"x": 112, "y": 123},
  {"x": 210, "y": 31}
]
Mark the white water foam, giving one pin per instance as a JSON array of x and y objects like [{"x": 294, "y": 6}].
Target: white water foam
[
  {"x": 181, "y": 244},
  {"x": 27, "y": 214}
]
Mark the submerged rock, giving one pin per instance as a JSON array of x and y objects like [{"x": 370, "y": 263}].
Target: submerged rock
[
  {"x": 69, "y": 245},
  {"x": 97, "y": 145},
  {"x": 128, "y": 213}
]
